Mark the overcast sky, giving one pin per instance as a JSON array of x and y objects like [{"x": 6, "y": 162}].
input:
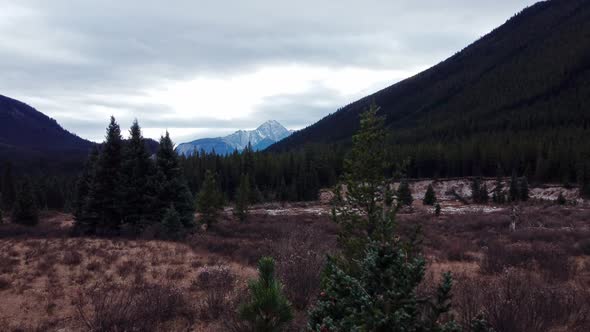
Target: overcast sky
[{"x": 206, "y": 68}]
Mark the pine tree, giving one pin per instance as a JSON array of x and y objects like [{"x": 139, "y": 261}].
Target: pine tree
[
  {"x": 242, "y": 198},
  {"x": 476, "y": 190},
  {"x": 498, "y": 196},
  {"x": 8, "y": 188},
  {"x": 171, "y": 186},
  {"x": 209, "y": 200},
  {"x": 561, "y": 199},
  {"x": 267, "y": 310},
  {"x": 25, "y": 207},
  {"x": 365, "y": 183},
  {"x": 172, "y": 223},
  {"x": 523, "y": 189},
  {"x": 483, "y": 194},
  {"x": 137, "y": 177},
  {"x": 583, "y": 175},
  {"x": 404, "y": 195},
  {"x": 106, "y": 184},
  {"x": 372, "y": 285},
  {"x": 437, "y": 210},
  {"x": 85, "y": 219},
  {"x": 430, "y": 196},
  {"x": 383, "y": 297},
  {"x": 514, "y": 192}
]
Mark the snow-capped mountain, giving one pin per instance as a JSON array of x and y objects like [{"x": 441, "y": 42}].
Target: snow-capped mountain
[{"x": 260, "y": 138}]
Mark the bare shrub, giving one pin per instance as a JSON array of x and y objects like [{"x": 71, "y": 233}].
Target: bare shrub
[
  {"x": 552, "y": 261},
  {"x": 4, "y": 283},
  {"x": 518, "y": 300},
  {"x": 142, "y": 307},
  {"x": 299, "y": 266},
  {"x": 128, "y": 267},
  {"x": 72, "y": 258},
  {"x": 217, "y": 282}
]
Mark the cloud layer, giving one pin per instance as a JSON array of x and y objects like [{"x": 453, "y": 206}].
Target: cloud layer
[{"x": 204, "y": 68}]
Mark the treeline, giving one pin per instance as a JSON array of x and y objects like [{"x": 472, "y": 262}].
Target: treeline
[
  {"x": 292, "y": 176},
  {"x": 124, "y": 189},
  {"x": 51, "y": 192}
]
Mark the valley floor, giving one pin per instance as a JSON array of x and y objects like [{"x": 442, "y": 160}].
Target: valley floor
[{"x": 536, "y": 278}]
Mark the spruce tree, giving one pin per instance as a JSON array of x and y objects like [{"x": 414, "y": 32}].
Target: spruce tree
[
  {"x": 85, "y": 220},
  {"x": 364, "y": 179},
  {"x": 437, "y": 210},
  {"x": 430, "y": 196},
  {"x": 383, "y": 297},
  {"x": 483, "y": 194},
  {"x": 514, "y": 192},
  {"x": 105, "y": 201},
  {"x": 267, "y": 309},
  {"x": 24, "y": 209},
  {"x": 561, "y": 199},
  {"x": 523, "y": 189},
  {"x": 476, "y": 190},
  {"x": 8, "y": 188},
  {"x": 404, "y": 195},
  {"x": 372, "y": 285},
  {"x": 209, "y": 200},
  {"x": 242, "y": 198},
  {"x": 171, "y": 186},
  {"x": 172, "y": 223},
  {"x": 137, "y": 177}
]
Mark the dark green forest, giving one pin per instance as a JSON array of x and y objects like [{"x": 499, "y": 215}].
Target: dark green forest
[{"x": 517, "y": 98}]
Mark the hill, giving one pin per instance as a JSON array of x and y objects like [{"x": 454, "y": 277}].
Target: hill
[
  {"x": 29, "y": 136},
  {"x": 518, "y": 97},
  {"x": 260, "y": 138}
]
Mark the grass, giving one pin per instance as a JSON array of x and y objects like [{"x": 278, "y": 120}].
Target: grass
[{"x": 50, "y": 280}]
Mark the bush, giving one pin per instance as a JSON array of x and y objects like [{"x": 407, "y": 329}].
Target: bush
[
  {"x": 217, "y": 282},
  {"x": 142, "y": 307}
]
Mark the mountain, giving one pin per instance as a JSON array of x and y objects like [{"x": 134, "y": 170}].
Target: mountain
[
  {"x": 28, "y": 135},
  {"x": 260, "y": 138},
  {"x": 519, "y": 96}
]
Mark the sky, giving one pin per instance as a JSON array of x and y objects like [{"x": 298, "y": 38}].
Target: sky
[{"x": 207, "y": 68}]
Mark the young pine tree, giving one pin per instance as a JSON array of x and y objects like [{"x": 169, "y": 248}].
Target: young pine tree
[
  {"x": 24, "y": 210},
  {"x": 364, "y": 179},
  {"x": 209, "y": 200},
  {"x": 171, "y": 186},
  {"x": 561, "y": 199},
  {"x": 430, "y": 196},
  {"x": 372, "y": 285},
  {"x": 242, "y": 199},
  {"x": 404, "y": 195},
  {"x": 267, "y": 310},
  {"x": 137, "y": 178}
]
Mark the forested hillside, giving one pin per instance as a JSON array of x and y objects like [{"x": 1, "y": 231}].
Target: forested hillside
[
  {"x": 30, "y": 139},
  {"x": 518, "y": 97}
]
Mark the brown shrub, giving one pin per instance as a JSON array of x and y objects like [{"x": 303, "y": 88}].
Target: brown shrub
[
  {"x": 143, "y": 307},
  {"x": 72, "y": 258},
  {"x": 217, "y": 282}
]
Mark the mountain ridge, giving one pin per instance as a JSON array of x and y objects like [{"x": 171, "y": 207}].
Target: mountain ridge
[
  {"x": 476, "y": 82},
  {"x": 260, "y": 138}
]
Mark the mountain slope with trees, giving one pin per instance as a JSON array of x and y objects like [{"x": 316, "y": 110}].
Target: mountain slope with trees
[{"x": 518, "y": 98}]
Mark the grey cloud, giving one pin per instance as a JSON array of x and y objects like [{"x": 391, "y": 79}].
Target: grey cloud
[{"x": 74, "y": 51}]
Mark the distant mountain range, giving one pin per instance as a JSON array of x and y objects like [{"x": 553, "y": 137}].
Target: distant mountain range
[{"x": 260, "y": 138}]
